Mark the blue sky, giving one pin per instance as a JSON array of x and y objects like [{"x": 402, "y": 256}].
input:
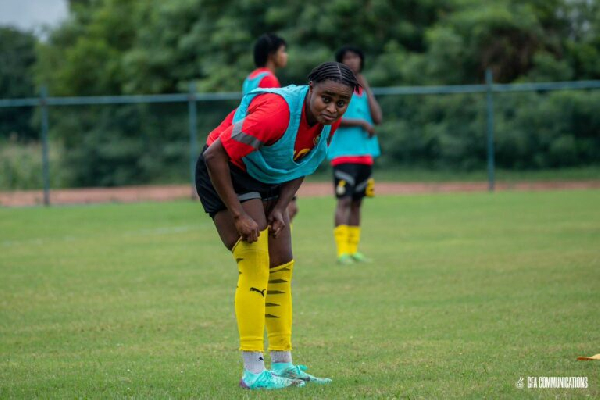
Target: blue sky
[{"x": 32, "y": 14}]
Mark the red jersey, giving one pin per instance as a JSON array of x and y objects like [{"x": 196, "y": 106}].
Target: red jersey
[
  {"x": 366, "y": 160},
  {"x": 267, "y": 120},
  {"x": 268, "y": 81}
]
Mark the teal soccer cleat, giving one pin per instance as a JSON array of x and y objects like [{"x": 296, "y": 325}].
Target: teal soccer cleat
[
  {"x": 291, "y": 371},
  {"x": 360, "y": 257},
  {"x": 267, "y": 380},
  {"x": 345, "y": 259}
]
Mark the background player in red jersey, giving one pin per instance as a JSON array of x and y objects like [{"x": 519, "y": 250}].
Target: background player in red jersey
[{"x": 270, "y": 54}]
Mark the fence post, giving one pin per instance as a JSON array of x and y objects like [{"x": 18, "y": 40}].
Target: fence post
[
  {"x": 193, "y": 140},
  {"x": 489, "y": 81},
  {"x": 45, "y": 163}
]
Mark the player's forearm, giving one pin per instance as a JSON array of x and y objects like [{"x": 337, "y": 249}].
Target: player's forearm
[
  {"x": 288, "y": 191},
  {"x": 374, "y": 108},
  {"x": 352, "y": 122},
  {"x": 217, "y": 161}
]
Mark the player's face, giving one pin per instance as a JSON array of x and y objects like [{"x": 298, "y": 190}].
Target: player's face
[
  {"x": 281, "y": 57},
  {"x": 352, "y": 60},
  {"x": 327, "y": 101}
]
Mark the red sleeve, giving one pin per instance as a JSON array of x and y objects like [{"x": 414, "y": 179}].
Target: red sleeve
[
  {"x": 267, "y": 120},
  {"x": 269, "y": 81},
  {"x": 227, "y": 122}
]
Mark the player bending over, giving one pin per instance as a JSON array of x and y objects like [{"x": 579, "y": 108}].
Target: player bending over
[{"x": 252, "y": 166}]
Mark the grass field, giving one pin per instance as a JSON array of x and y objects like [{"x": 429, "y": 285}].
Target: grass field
[
  {"x": 407, "y": 174},
  {"x": 467, "y": 294}
]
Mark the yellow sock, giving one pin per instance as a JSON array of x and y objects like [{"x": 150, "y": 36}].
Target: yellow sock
[
  {"x": 340, "y": 233},
  {"x": 353, "y": 239},
  {"x": 251, "y": 292},
  {"x": 278, "y": 310}
]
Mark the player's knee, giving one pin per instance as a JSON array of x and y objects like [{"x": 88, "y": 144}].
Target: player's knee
[
  {"x": 355, "y": 204},
  {"x": 276, "y": 262},
  {"x": 277, "y": 258},
  {"x": 230, "y": 242},
  {"x": 262, "y": 225},
  {"x": 345, "y": 202}
]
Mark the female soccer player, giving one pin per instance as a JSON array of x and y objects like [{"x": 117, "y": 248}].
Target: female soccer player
[
  {"x": 351, "y": 153},
  {"x": 269, "y": 55},
  {"x": 254, "y": 164}
]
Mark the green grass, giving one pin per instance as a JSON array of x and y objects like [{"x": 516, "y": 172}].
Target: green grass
[
  {"x": 468, "y": 293},
  {"x": 412, "y": 174}
]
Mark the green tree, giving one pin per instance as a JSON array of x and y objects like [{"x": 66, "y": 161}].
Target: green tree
[
  {"x": 112, "y": 47},
  {"x": 83, "y": 57},
  {"x": 17, "y": 58}
]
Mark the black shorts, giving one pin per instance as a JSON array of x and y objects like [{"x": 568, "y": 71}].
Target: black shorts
[
  {"x": 246, "y": 187},
  {"x": 353, "y": 180}
]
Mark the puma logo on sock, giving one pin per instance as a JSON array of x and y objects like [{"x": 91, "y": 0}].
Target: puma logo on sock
[{"x": 262, "y": 292}]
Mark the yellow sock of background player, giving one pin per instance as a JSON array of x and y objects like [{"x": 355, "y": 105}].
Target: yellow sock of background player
[
  {"x": 353, "y": 238},
  {"x": 251, "y": 292},
  {"x": 340, "y": 233},
  {"x": 278, "y": 307}
]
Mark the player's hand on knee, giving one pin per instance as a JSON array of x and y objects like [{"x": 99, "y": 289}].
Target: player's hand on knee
[
  {"x": 247, "y": 228},
  {"x": 276, "y": 222}
]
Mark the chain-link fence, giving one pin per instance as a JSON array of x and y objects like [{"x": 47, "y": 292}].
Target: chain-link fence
[{"x": 132, "y": 140}]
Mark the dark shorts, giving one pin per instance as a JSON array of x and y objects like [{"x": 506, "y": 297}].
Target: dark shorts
[
  {"x": 353, "y": 180},
  {"x": 246, "y": 187}
]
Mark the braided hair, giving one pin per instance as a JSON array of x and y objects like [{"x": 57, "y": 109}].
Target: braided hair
[{"x": 336, "y": 72}]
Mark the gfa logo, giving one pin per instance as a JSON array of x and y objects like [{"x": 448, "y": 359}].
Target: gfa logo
[
  {"x": 341, "y": 187},
  {"x": 520, "y": 383}
]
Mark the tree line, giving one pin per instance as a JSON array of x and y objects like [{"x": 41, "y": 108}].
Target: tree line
[{"x": 115, "y": 47}]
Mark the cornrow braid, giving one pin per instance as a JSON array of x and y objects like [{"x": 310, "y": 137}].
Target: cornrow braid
[{"x": 336, "y": 72}]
